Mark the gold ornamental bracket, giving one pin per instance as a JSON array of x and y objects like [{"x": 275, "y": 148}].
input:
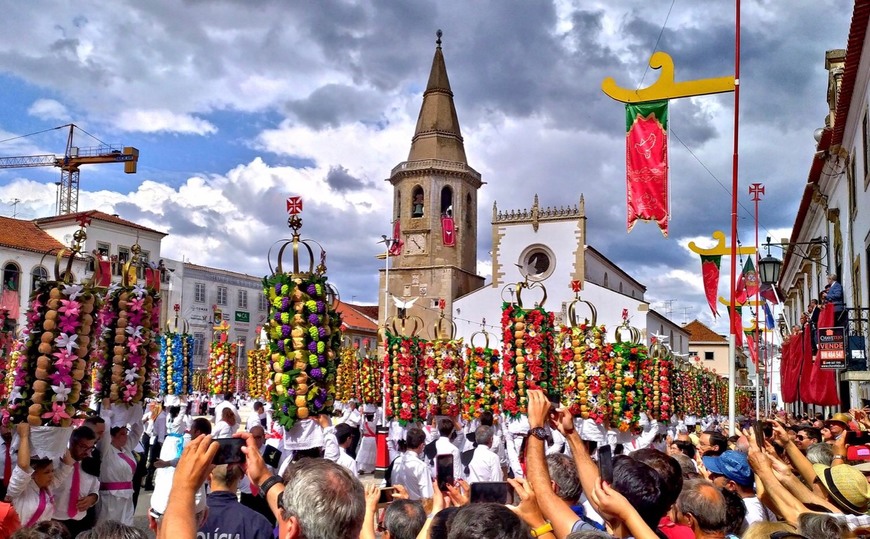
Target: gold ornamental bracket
[
  {"x": 720, "y": 249},
  {"x": 666, "y": 87}
]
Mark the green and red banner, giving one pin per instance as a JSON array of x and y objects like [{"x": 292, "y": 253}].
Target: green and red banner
[
  {"x": 710, "y": 274},
  {"x": 646, "y": 163}
]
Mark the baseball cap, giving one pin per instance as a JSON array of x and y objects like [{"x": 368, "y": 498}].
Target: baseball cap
[
  {"x": 734, "y": 465},
  {"x": 848, "y": 486}
]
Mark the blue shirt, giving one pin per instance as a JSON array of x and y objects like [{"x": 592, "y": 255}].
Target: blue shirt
[{"x": 229, "y": 519}]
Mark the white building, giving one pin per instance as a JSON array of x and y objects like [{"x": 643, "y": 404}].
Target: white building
[
  {"x": 549, "y": 246},
  {"x": 24, "y": 244},
  {"x": 24, "y": 261},
  {"x": 830, "y": 233},
  {"x": 206, "y": 296}
]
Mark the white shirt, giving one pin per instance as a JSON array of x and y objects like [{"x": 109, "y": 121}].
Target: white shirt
[
  {"x": 114, "y": 468},
  {"x": 218, "y": 410},
  {"x": 411, "y": 472},
  {"x": 484, "y": 466},
  {"x": 347, "y": 461},
  {"x": 331, "y": 451},
  {"x": 88, "y": 484},
  {"x": 254, "y": 420},
  {"x": 756, "y": 512},
  {"x": 25, "y": 494},
  {"x": 351, "y": 417},
  {"x": 159, "y": 429},
  {"x": 443, "y": 446},
  {"x": 222, "y": 430}
]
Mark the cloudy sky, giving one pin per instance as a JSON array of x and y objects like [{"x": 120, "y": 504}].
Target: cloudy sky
[{"x": 236, "y": 104}]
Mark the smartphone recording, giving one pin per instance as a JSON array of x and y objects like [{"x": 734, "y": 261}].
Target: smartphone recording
[{"x": 229, "y": 451}]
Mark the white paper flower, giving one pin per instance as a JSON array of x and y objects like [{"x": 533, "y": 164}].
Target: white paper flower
[
  {"x": 139, "y": 290},
  {"x": 61, "y": 392},
  {"x": 67, "y": 341},
  {"x": 16, "y": 394},
  {"x": 135, "y": 331},
  {"x": 73, "y": 290},
  {"x": 130, "y": 375}
]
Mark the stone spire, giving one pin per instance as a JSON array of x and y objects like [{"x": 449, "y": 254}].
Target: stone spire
[{"x": 437, "y": 135}]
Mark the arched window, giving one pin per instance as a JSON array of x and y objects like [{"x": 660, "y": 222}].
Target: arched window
[
  {"x": 447, "y": 201},
  {"x": 606, "y": 279},
  {"x": 38, "y": 275},
  {"x": 469, "y": 211},
  {"x": 620, "y": 287},
  {"x": 398, "y": 204},
  {"x": 11, "y": 276},
  {"x": 418, "y": 202}
]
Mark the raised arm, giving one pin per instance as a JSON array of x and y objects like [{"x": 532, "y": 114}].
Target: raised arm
[{"x": 556, "y": 510}]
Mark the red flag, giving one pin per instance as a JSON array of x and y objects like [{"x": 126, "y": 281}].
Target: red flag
[
  {"x": 752, "y": 344},
  {"x": 736, "y": 317},
  {"x": 646, "y": 163},
  {"x": 448, "y": 233},
  {"x": 710, "y": 274},
  {"x": 396, "y": 246},
  {"x": 767, "y": 292}
]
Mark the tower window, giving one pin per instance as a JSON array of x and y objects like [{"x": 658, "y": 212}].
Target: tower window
[
  {"x": 418, "y": 202},
  {"x": 447, "y": 201},
  {"x": 398, "y": 204}
]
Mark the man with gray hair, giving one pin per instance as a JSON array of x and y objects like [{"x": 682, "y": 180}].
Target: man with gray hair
[
  {"x": 404, "y": 519},
  {"x": 485, "y": 464},
  {"x": 701, "y": 507},
  {"x": 321, "y": 499}
]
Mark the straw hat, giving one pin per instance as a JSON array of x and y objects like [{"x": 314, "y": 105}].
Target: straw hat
[
  {"x": 848, "y": 486},
  {"x": 845, "y": 419}
]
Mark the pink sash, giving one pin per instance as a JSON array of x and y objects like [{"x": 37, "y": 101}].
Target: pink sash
[
  {"x": 40, "y": 509},
  {"x": 116, "y": 485},
  {"x": 129, "y": 461}
]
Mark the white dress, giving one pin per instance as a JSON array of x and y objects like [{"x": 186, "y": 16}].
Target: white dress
[
  {"x": 116, "y": 477},
  {"x": 366, "y": 455}
]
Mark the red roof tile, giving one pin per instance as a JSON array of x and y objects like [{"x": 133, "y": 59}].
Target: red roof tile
[
  {"x": 25, "y": 235},
  {"x": 96, "y": 215},
  {"x": 698, "y": 332},
  {"x": 353, "y": 318}
]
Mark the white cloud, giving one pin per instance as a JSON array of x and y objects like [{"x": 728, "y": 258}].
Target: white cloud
[
  {"x": 49, "y": 109},
  {"x": 154, "y": 121}
]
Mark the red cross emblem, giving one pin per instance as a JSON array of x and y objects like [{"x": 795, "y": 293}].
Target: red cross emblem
[
  {"x": 576, "y": 286},
  {"x": 83, "y": 220},
  {"x": 294, "y": 205}
]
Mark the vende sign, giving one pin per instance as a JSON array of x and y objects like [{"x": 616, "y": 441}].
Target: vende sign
[{"x": 832, "y": 348}]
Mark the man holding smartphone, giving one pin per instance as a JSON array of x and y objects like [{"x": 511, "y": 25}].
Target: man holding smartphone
[{"x": 226, "y": 516}]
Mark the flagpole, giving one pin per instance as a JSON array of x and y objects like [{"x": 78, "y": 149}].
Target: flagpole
[
  {"x": 756, "y": 190},
  {"x": 732, "y": 345}
]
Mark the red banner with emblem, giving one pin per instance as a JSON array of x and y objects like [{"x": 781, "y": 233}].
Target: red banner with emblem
[
  {"x": 646, "y": 163},
  {"x": 710, "y": 274},
  {"x": 448, "y": 232}
]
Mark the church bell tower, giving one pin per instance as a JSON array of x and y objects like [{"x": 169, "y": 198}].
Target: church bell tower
[{"x": 435, "y": 204}]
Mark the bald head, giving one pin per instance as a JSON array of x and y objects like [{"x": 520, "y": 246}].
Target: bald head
[{"x": 702, "y": 507}]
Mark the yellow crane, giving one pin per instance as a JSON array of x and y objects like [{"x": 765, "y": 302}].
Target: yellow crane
[{"x": 69, "y": 163}]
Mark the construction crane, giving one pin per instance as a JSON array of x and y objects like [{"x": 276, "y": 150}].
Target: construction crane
[{"x": 73, "y": 158}]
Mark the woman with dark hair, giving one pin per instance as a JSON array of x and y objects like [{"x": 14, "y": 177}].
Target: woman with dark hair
[{"x": 33, "y": 480}]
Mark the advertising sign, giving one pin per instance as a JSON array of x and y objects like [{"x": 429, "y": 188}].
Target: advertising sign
[
  {"x": 832, "y": 348},
  {"x": 243, "y": 316}
]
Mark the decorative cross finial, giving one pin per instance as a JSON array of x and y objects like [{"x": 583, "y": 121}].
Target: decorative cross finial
[{"x": 438, "y": 35}]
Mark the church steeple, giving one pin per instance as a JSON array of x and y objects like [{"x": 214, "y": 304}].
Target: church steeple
[{"x": 437, "y": 135}]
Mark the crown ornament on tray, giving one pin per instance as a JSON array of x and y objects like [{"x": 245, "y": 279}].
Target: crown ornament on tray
[{"x": 303, "y": 328}]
